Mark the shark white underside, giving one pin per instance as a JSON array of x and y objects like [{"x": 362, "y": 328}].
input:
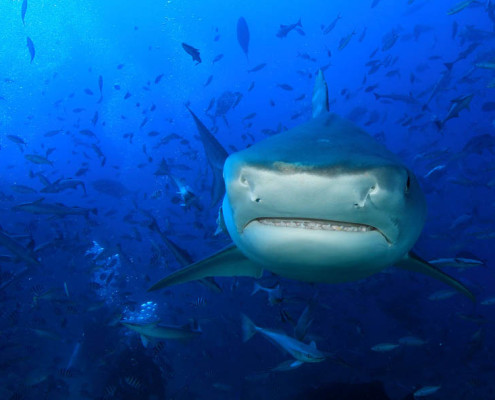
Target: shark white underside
[{"x": 322, "y": 202}]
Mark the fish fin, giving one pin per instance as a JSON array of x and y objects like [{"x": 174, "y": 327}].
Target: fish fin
[
  {"x": 412, "y": 262},
  {"x": 256, "y": 288},
  {"x": 313, "y": 344},
  {"x": 40, "y": 200},
  {"x": 227, "y": 262},
  {"x": 248, "y": 328},
  {"x": 320, "y": 95},
  {"x": 216, "y": 156},
  {"x": 144, "y": 341},
  {"x": 296, "y": 364}
]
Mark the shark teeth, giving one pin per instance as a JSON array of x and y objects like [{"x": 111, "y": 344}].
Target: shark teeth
[{"x": 317, "y": 225}]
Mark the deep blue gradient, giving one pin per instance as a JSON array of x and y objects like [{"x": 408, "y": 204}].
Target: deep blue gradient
[{"x": 59, "y": 322}]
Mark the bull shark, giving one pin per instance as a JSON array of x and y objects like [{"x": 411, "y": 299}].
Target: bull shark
[{"x": 323, "y": 202}]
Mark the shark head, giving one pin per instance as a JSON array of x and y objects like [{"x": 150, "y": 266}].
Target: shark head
[{"x": 323, "y": 202}]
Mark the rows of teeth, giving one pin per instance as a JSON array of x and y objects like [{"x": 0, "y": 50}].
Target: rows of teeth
[{"x": 315, "y": 225}]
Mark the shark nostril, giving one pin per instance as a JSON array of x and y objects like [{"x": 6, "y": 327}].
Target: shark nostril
[{"x": 257, "y": 199}]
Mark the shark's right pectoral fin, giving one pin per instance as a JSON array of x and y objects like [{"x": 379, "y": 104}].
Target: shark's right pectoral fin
[
  {"x": 227, "y": 262},
  {"x": 412, "y": 262}
]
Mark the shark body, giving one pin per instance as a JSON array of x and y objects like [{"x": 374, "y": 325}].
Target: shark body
[{"x": 322, "y": 202}]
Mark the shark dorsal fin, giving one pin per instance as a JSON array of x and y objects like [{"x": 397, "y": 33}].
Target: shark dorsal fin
[
  {"x": 320, "y": 95},
  {"x": 313, "y": 344}
]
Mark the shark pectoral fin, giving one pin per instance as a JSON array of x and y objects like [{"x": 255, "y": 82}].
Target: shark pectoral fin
[
  {"x": 412, "y": 262},
  {"x": 227, "y": 262}
]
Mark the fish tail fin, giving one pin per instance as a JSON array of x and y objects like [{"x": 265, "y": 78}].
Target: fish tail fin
[
  {"x": 256, "y": 288},
  {"x": 299, "y": 23},
  {"x": 94, "y": 211},
  {"x": 248, "y": 328},
  {"x": 377, "y": 96}
]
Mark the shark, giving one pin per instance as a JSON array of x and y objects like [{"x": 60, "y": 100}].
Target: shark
[{"x": 323, "y": 202}]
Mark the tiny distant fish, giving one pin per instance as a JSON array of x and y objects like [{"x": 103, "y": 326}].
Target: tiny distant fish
[
  {"x": 285, "y": 86},
  {"x": 78, "y": 110},
  {"x": 251, "y": 86},
  {"x": 120, "y": 66},
  {"x": 81, "y": 171},
  {"x": 30, "y": 46},
  {"x": 459, "y": 7},
  {"x": 127, "y": 95},
  {"x": 345, "y": 40},
  {"x": 208, "y": 81},
  {"x": 23, "y": 189},
  {"x": 385, "y": 347},
  {"x": 16, "y": 139},
  {"x": 217, "y": 58},
  {"x": 100, "y": 87},
  {"x": 153, "y": 133},
  {"x": 433, "y": 170},
  {"x": 332, "y": 25},
  {"x": 158, "y": 78},
  {"x": 88, "y": 91},
  {"x": 257, "y": 68},
  {"x": 36, "y": 159},
  {"x": 249, "y": 116},
  {"x": 94, "y": 120},
  {"x": 193, "y": 52},
  {"x": 23, "y": 10},
  {"x": 243, "y": 35},
  {"x": 426, "y": 391}
]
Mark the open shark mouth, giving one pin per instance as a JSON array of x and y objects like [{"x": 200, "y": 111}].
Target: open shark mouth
[{"x": 317, "y": 225}]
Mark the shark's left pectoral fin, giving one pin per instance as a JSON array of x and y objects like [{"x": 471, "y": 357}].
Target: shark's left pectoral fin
[
  {"x": 412, "y": 262},
  {"x": 227, "y": 262}
]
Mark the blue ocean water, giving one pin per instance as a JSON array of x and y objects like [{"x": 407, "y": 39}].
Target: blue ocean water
[{"x": 106, "y": 188}]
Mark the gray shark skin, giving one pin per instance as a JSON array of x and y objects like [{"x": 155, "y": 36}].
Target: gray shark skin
[{"x": 323, "y": 202}]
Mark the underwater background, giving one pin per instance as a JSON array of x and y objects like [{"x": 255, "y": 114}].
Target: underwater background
[{"x": 105, "y": 188}]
